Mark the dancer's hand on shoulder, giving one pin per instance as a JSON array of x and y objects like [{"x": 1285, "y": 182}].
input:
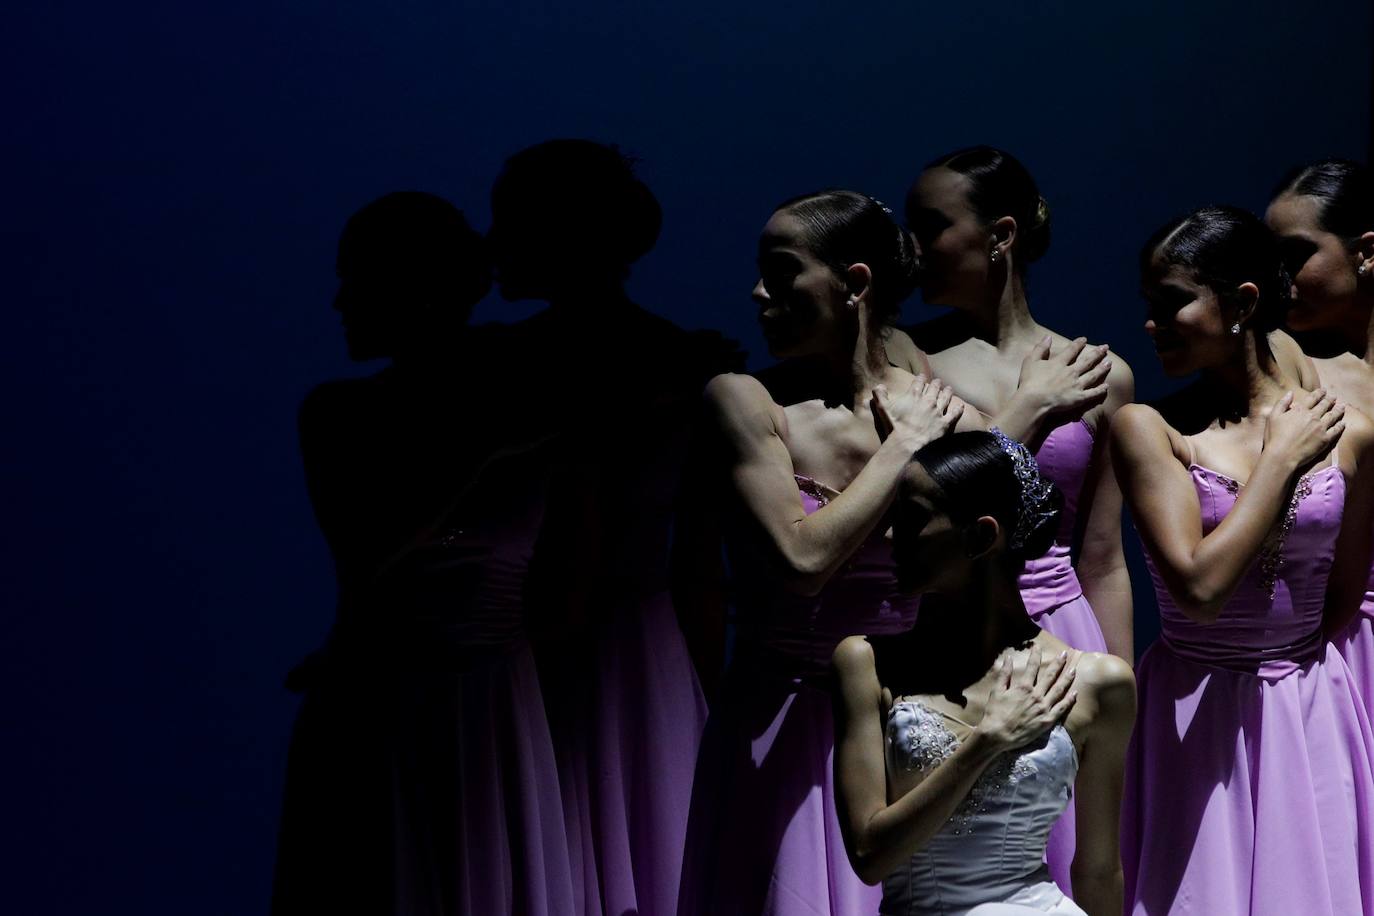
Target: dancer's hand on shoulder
[
  {"x": 1068, "y": 382},
  {"x": 924, "y": 412},
  {"x": 1302, "y": 427},
  {"x": 1026, "y": 704}
]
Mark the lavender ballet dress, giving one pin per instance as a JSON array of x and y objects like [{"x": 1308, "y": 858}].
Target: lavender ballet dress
[
  {"x": 764, "y": 837},
  {"x": 1054, "y": 597},
  {"x": 421, "y": 779},
  {"x": 1049, "y": 586},
  {"x": 1248, "y": 781},
  {"x": 1356, "y": 645},
  {"x": 627, "y": 722}
]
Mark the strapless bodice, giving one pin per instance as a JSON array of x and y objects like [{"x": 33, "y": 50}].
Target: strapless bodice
[
  {"x": 1272, "y": 624},
  {"x": 1049, "y": 581},
  {"x": 992, "y": 849},
  {"x": 861, "y": 597}
]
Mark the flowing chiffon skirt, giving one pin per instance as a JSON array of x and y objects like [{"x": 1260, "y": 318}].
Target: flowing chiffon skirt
[
  {"x": 1248, "y": 795},
  {"x": 764, "y": 836},
  {"x": 627, "y": 752},
  {"x": 424, "y": 793}
]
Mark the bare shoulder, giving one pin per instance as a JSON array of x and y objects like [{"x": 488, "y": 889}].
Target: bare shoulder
[
  {"x": 1358, "y": 437},
  {"x": 732, "y": 392},
  {"x": 741, "y": 405},
  {"x": 1137, "y": 422},
  {"x": 1106, "y": 690},
  {"x": 854, "y": 655},
  {"x": 1292, "y": 360},
  {"x": 1120, "y": 380},
  {"x": 902, "y": 351},
  {"x": 1104, "y": 673}
]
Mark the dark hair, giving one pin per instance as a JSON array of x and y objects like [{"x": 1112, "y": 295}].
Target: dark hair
[
  {"x": 999, "y": 185},
  {"x": 423, "y": 247},
  {"x": 617, "y": 216},
  {"x": 977, "y": 478},
  {"x": 845, "y": 227},
  {"x": 1225, "y": 247},
  {"x": 1343, "y": 190}
]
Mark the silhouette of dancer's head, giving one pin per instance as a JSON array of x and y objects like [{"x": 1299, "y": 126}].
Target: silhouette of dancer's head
[
  {"x": 822, "y": 257},
  {"x": 410, "y": 271},
  {"x": 569, "y": 217}
]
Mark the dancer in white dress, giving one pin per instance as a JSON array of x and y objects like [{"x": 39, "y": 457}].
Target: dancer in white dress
[{"x": 956, "y": 750}]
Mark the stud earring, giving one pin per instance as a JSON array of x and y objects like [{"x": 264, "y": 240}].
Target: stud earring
[
  {"x": 1362, "y": 270},
  {"x": 852, "y": 302},
  {"x": 1235, "y": 328},
  {"x": 993, "y": 256}
]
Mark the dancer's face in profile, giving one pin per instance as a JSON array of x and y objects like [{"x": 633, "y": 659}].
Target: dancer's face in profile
[
  {"x": 930, "y": 551},
  {"x": 1185, "y": 321},
  {"x": 801, "y": 299},
  {"x": 953, "y": 243},
  {"x": 1321, "y": 264}
]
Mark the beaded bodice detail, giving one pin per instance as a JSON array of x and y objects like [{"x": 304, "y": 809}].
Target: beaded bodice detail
[
  {"x": 1272, "y": 623},
  {"x": 995, "y": 840}
]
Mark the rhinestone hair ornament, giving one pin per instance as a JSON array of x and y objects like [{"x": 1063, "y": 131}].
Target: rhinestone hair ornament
[{"x": 1036, "y": 508}]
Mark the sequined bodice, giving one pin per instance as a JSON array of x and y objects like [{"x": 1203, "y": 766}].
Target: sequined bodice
[
  {"x": 993, "y": 847},
  {"x": 859, "y": 598},
  {"x": 1049, "y": 581},
  {"x": 1272, "y": 623}
]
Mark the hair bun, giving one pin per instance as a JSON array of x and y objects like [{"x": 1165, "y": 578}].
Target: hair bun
[{"x": 1037, "y": 234}]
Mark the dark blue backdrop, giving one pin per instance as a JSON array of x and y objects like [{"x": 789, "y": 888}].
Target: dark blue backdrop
[{"x": 176, "y": 179}]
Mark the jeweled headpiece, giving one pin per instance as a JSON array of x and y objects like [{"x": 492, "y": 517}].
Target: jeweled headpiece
[{"x": 1037, "y": 506}]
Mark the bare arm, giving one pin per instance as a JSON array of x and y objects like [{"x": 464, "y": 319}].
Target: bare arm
[
  {"x": 1350, "y": 569},
  {"x": 880, "y": 837},
  {"x": 809, "y": 548},
  {"x": 1200, "y": 572},
  {"x": 1101, "y": 560},
  {"x": 1107, "y": 701}
]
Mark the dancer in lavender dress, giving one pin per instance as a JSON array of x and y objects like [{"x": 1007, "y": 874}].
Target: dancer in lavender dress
[
  {"x": 1249, "y": 783},
  {"x": 952, "y": 820},
  {"x": 808, "y": 480},
  {"x": 1323, "y": 216},
  {"x": 979, "y": 222},
  {"x": 421, "y": 779},
  {"x": 625, "y": 704}
]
